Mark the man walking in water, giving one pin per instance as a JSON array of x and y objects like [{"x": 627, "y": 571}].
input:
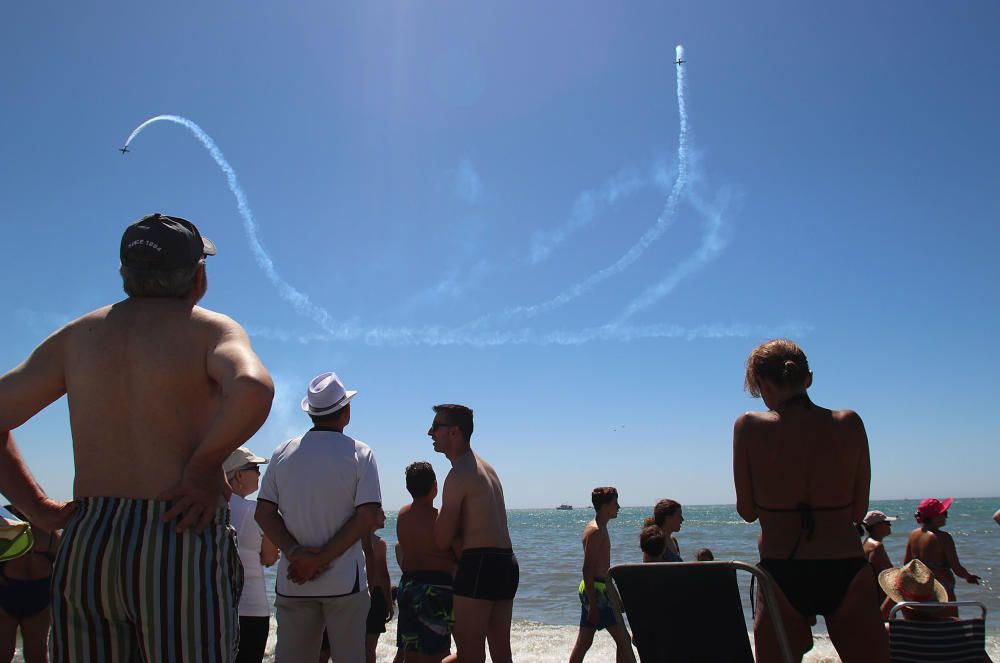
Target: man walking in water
[
  {"x": 160, "y": 392},
  {"x": 473, "y": 512}
]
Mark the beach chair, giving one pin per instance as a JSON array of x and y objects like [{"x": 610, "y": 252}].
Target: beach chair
[
  {"x": 689, "y": 612},
  {"x": 951, "y": 640}
]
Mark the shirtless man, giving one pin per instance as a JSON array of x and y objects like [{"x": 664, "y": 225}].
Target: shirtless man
[
  {"x": 596, "y": 611},
  {"x": 160, "y": 392},
  {"x": 426, "y": 612},
  {"x": 935, "y": 547},
  {"x": 473, "y": 511}
]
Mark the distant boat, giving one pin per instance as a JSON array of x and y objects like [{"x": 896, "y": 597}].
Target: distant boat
[{"x": 564, "y": 507}]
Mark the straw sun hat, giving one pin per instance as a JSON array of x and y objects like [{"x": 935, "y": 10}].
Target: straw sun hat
[{"x": 913, "y": 582}]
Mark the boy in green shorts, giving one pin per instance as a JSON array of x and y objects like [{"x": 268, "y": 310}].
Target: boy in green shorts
[{"x": 596, "y": 612}]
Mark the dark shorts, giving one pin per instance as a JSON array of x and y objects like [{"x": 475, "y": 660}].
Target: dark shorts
[
  {"x": 606, "y": 616},
  {"x": 377, "y": 612},
  {"x": 426, "y": 615},
  {"x": 491, "y": 574}
]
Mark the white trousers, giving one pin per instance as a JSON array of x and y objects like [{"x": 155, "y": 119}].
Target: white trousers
[{"x": 301, "y": 622}]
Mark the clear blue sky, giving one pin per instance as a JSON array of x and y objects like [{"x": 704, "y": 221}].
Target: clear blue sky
[{"x": 420, "y": 171}]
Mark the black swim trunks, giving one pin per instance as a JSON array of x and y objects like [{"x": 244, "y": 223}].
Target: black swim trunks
[
  {"x": 491, "y": 574},
  {"x": 377, "y": 613}
]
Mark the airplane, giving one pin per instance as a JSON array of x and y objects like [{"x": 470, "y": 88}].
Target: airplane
[
  {"x": 123, "y": 150},
  {"x": 679, "y": 61}
]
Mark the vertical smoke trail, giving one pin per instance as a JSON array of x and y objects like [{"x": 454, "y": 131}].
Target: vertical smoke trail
[
  {"x": 663, "y": 222},
  {"x": 711, "y": 246},
  {"x": 303, "y": 305}
]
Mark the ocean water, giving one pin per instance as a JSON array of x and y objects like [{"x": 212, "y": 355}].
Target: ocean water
[
  {"x": 548, "y": 548},
  {"x": 547, "y": 543}
]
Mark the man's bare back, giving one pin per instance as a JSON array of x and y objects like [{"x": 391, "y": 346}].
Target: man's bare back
[
  {"x": 143, "y": 385},
  {"x": 474, "y": 485},
  {"x": 414, "y": 526}
]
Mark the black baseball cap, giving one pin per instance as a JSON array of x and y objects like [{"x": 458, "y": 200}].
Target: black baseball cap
[{"x": 158, "y": 241}]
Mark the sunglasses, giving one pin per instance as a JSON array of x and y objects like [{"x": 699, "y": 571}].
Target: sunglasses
[
  {"x": 436, "y": 425},
  {"x": 250, "y": 468}
]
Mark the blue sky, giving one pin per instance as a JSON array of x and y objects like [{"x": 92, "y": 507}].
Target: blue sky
[{"x": 434, "y": 177}]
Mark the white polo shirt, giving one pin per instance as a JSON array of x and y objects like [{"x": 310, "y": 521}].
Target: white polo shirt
[{"x": 317, "y": 481}]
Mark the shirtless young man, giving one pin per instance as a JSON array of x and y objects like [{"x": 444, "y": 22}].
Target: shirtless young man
[
  {"x": 160, "y": 392},
  {"x": 804, "y": 472},
  {"x": 426, "y": 611},
  {"x": 596, "y": 611},
  {"x": 473, "y": 511},
  {"x": 935, "y": 547}
]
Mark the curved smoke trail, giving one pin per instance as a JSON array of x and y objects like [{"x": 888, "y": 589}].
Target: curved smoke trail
[
  {"x": 303, "y": 305},
  {"x": 663, "y": 221},
  {"x": 474, "y": 333}
]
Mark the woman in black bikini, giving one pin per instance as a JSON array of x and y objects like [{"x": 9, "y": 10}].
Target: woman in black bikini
[
  {"x": 804, "y": 472},
  {"x": 25, "y": 598}
]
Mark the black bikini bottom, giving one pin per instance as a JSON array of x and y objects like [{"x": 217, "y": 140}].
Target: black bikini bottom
[
  {"x": 25, "y": 598},
  {"x": 814, "y": 586}
]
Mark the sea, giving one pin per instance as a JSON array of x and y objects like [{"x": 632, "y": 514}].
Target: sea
[
  {"x": 548, "y": 548},
  {"x": 547, "y": 544}
]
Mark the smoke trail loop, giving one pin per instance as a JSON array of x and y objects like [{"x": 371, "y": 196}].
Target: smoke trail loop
[{"x": 299, "y": 300}]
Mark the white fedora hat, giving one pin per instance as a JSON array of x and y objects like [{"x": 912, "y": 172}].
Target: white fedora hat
[{"x": 326, "y": 395}]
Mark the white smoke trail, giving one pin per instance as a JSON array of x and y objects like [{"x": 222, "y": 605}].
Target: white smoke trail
[
  {"x": 585, "y": 208},
  {"x": 612, "y": 332},
  {"x": 477, "y": 333},
  {"x": 300, "y": 301},
  {"x": 711, "y": 247},
  {"x": 663, "y": 221}
]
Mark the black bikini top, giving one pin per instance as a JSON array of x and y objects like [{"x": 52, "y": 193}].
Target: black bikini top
[{"x": 804, "y": 509}]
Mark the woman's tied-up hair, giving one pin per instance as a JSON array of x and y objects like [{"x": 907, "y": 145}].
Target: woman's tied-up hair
[{"x": 779, "y": 361}]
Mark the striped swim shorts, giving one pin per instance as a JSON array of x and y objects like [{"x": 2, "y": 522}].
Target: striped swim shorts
[{"x": 126, "y": 587}]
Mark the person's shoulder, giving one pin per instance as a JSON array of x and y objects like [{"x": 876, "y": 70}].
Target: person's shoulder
[
  {"x": 83, "y": 323},
  {"x": 482, "y": 465},
  {"x": 362, "y": 448},
  {"x": 752, "y": 419},
  {"x": 215, "y": 322},
  {"x": 942, "y": 535},
  {"x": 284, "y": 450},
  {"x": 750, "y": 425},
  {"x": 847, "y": 418}
]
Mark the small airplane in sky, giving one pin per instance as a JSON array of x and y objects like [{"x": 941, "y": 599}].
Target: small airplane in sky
[
  {"x": 679, "y": 61},
  {"x": 123, "y": 150}
]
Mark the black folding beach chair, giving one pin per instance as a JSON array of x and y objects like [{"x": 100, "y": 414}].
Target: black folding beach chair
[
  {"x": 689, "y": 612},
  {"x": 951, "y": 640}
]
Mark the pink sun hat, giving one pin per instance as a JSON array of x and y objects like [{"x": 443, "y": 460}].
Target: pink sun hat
[{"x": 932, "y": 508}]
